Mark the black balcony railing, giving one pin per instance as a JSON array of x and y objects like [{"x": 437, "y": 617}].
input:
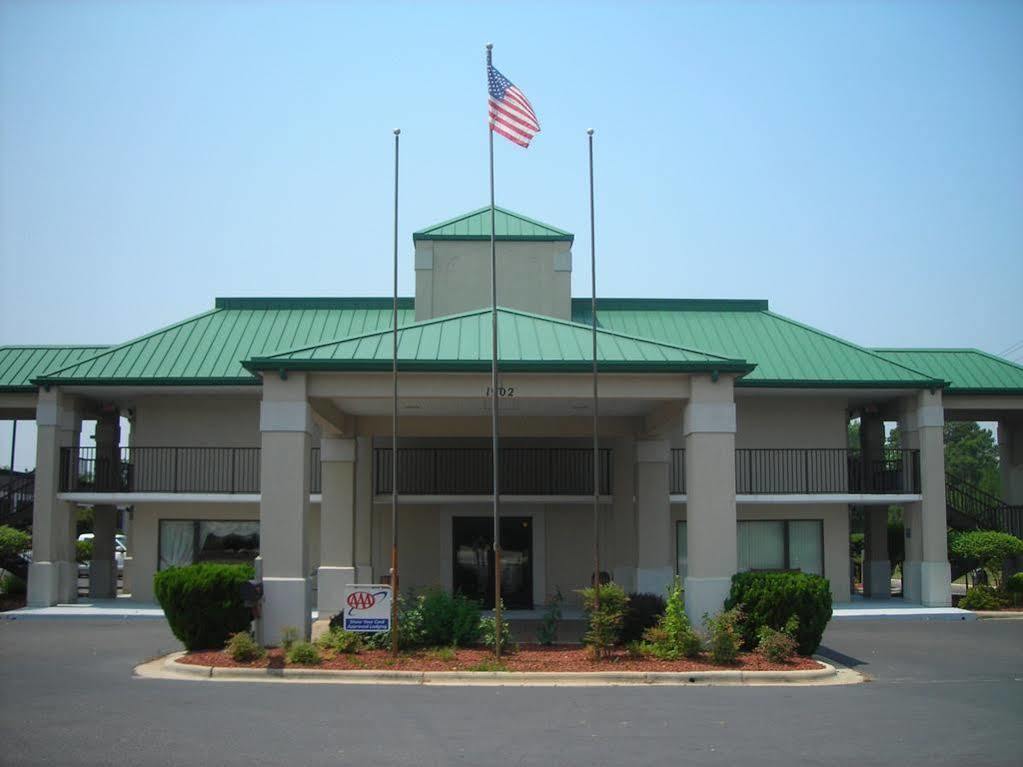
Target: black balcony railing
[
  {"x": 804, "y": 471},
  {"x": 469, "y": 471}
]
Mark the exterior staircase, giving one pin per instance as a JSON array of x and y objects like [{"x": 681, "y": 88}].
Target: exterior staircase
[
  {"x": 970, "y": 508},
  {"x": 16, "y": 499}
]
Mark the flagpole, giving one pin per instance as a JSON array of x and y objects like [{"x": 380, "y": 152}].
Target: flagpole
[
  {"x": 596, "y": 447},
  {"x": 394, "y": 417},
  {"x": 493, "y": 393}
]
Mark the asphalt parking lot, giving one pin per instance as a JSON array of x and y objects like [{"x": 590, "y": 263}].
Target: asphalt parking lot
[{"x": 939, "y": 693}]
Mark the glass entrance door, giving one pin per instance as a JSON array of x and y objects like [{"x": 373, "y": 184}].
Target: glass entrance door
[{"x": 473, "y": 548}]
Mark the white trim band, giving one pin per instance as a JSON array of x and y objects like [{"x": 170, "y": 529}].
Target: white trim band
[
  {"x": 286, "y": 416},
  {"x": 709, "y": 418},
  {"x": 337, "y": 450}
]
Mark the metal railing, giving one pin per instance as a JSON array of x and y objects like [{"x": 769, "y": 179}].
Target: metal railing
[
  {"x": 983, "y": 510},
  {"x": 468, "y": 471},
  {"x": 16, "y": 499},
  {"x": 805, "y": 471}
]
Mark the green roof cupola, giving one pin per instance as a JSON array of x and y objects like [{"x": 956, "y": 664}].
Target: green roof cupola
[{"x": 534, "y": 265}]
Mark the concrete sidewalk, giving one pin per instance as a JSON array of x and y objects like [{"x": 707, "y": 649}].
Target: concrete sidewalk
[
  {"x": 896, "y": 609},
  {"x": 122, "y": 608}
]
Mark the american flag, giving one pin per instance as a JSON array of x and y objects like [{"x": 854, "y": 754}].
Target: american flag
[{"x": 511, "y": 114}]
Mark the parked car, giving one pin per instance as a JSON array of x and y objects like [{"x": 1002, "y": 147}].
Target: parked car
[{"x": 120, "y": 549}]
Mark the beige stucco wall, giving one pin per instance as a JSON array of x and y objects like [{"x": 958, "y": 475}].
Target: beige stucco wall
[
  {"x": 836, "y": 535},
  {"x": 453, "y": 277},
  {"x": 197, "y": 421},
  {"x": 143, "y": 540}
]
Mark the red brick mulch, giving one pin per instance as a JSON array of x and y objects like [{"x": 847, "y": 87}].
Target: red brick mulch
[{"x": 527, "y": 658}]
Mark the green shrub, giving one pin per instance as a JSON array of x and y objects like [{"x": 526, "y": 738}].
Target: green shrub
[
  {"x": 243, "y": 648},
  {"x": 202, "y": 603},
  {"x": 83, "y": 550},
  {"x": 776, "y": 646},
  {"x": 13, "y": 542},
  {"x": 341, "y": 641},
  {"x": 773, "y": 599},
  {"x": 438, "y": 616},
  {"x": 547, "y": 631},
  {"x": 987, "y": 548},
  {"x": 13, "y": 585},
  {"x": 673, "y": 637},
  {"x": 488, "y": 632},
  {"x": 1014, "y": 587},
  {"x": 465, "y": 627},
  {"x": 289, "y": 636},
  {"x": 643, "y": 612},
  {"x": 724, "y": 636},
  {"x": 984, "y": 598},
  {"x": 604, "y": 627},
  {"x": 304, "y": 654}
]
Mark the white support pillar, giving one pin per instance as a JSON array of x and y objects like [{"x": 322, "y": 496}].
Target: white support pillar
[
  {"x": 926, "y": 577},
  {"x": 286, "y": 425},
  {"x": 653, "y": 516},
  {"x": 623, "y": 511},
  {"x": 877, "y": 572},
  {"x": 709, "y": 429},
  {"x": 53, "y": 574},
  {"x": 337, "y": 524},
  {"x": 364, "y": 510},
  {"x": 1010, "y": 459},
  {"x": 103, "y": 564}
]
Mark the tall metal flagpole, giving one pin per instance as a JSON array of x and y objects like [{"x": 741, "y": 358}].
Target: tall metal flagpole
[
  {"x": 394, "y": 418},
  {"x": 493, "y": 393},
  {"x": 596, "y": 448}
]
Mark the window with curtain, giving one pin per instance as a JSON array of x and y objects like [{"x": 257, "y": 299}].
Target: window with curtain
[
  {"x": 781, "y": 545},
  {"x": 187, "y": 541}
]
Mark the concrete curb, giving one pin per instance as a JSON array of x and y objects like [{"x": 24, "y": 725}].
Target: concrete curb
[
  {"x": 827, "y": 675},
  {"x": 998, "y": 615}
]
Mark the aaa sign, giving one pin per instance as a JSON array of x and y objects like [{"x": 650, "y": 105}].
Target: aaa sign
[{"x": 367, "y": 607}]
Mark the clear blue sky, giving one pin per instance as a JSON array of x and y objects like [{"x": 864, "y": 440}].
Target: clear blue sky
[{"x": 858, "y": 164}]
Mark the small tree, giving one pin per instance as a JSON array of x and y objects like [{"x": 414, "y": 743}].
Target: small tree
[
  {"x": 605, "y": 617},
  {"x": 986, "y": 548}
]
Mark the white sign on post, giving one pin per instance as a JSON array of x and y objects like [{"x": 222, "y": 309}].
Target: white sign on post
[{"x": 367, "y": 607}]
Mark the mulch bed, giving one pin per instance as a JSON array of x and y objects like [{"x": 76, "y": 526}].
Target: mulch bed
[
  {"x": 555, "y": 658},
  {"x": 11, "y": 602}
]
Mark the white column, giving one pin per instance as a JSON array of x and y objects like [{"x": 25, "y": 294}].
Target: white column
[
  {"x": 286, "y": 425},
  {"x": 654, "y": 570},
  {"x": 926, "y": 576},
  {"x": 709, "y": 429},
  {"x": 103, "y": 564},
  {"x": 1010, "y": 459},
  {"x": 364, "y": 510},
  {"x": 877, "y": 572},
  {"x": 623, "y": 511},
  {"x": 337, "y": 524},
  {"x": 53, "y": 574}
]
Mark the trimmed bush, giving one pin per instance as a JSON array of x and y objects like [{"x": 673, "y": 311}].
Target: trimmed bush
[
  {"x": 773, "y": 599},
  {"x": 243, "y": 648},
  {"x": 341, "y": 641},
  {"x": 776, "y": 646},
  {"x": 643, "y": 612},
  {"x": 605, "y": 621},
  {"x": 724, "y": 637},
  {"x": 304, "y": 654},
  {"x": 13, "y": 585},
  {"x": 673, "y": 637},
  {"x": 1014, "y": 586},
  {"x": 984, "y": 598},
  {"x": 13, "y": 542},
  {"x": 987, "y": 548},
  {"x": 202, "y": 603}
]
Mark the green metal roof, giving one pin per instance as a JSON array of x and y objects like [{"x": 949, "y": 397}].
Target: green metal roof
[
  {"x": 508, "y": 226},
  {"x": 525, "y": 342},
  {"x": 20, "y": 364},
  {"x": 968, "y": 371},
  {"x": 209, "y": 348},
  {"x": 786, "y": 353}
]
